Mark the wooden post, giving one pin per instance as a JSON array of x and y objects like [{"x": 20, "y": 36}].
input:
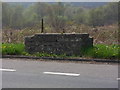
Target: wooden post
[
  {"x": 10, "y": 36},
  {"x": 63, "y": 30},
  {"x": 42, "y": 27}
]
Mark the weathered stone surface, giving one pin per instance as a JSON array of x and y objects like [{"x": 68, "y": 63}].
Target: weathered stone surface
[{"x": 69, "y": 44}]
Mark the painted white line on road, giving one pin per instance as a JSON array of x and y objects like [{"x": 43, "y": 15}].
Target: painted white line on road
[
  {"x": 9, "y": 70},
  {"x": 58, "y": 73},
  {"x": 118, "y": 78}
]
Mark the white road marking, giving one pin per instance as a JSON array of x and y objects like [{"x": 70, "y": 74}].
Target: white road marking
[
  {"x": 118, "y": 78},
  {"x": 9, "y": 70},
  {"x": 58, "y": 73}
]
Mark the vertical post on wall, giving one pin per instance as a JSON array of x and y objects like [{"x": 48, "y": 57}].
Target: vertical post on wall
[{"x": 42, "y": 27}]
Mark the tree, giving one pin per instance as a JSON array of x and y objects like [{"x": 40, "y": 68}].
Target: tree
[
  {"x": 30, "y": 17},
  {"x": 12, "y": 16},
  {"x": 6, "y": 15},
  {"x": 17, "y": 17},
  {"x": 111, "y": 13},
  {"x": 96, "y": 17},
  {"x": 80, "y": 16},
  {"x": 56, "y": 16}
]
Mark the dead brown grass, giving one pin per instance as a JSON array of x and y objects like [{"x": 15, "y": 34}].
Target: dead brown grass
[{"x": 102, "y": 35}]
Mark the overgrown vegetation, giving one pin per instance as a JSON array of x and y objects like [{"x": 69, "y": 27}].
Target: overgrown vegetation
[
  {"x": 20, "y": 20},
  {"x": 12, "y": 49},
  {"x": 102, "y": 35},
  {"x": 98, "y": 51},
  {"x": 103, "y": 51},
  {"x": 100, "y": 22},
  {"x": 44, "y": 55}
]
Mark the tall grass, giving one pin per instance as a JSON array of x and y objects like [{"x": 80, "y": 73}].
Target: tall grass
[
  {"x": 0, "y": 48},
  {"x": 103, "y": 51},
  {"x": 12, "y": 49}
]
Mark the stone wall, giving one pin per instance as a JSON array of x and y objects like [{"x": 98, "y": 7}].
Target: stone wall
[{"x": 69, "y": 44}]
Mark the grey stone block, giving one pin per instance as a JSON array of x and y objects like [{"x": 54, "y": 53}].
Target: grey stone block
[{"x": 56, "y": 43}]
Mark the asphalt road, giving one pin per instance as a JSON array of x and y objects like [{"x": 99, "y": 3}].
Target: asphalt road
[{"x": 36, "y": 74}]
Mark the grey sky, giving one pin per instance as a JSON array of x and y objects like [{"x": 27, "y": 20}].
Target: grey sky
[{"x": 59, "y": 0}]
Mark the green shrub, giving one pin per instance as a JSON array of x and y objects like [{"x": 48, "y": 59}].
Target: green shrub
[
  {"x": 12, "y": 49},
  {"x": 103, "y": 51},
  {"x": 48, "y": 55}
]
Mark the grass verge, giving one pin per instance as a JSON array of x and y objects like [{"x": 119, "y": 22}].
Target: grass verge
[
  {"x": 102, "y": 51},
  {"x": 12, "y": 49},
  {"x": 98, "y": 51}
]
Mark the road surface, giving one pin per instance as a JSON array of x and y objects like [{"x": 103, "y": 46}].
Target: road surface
[{"x": 19, "y": 73}]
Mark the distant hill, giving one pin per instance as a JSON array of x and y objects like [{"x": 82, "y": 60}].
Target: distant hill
[
  {"x": 82, "y": 4},
  {"x": 89, "y": 4}
]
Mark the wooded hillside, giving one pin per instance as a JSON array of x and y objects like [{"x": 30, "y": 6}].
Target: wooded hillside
[{"x": 58, "y": 15}]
